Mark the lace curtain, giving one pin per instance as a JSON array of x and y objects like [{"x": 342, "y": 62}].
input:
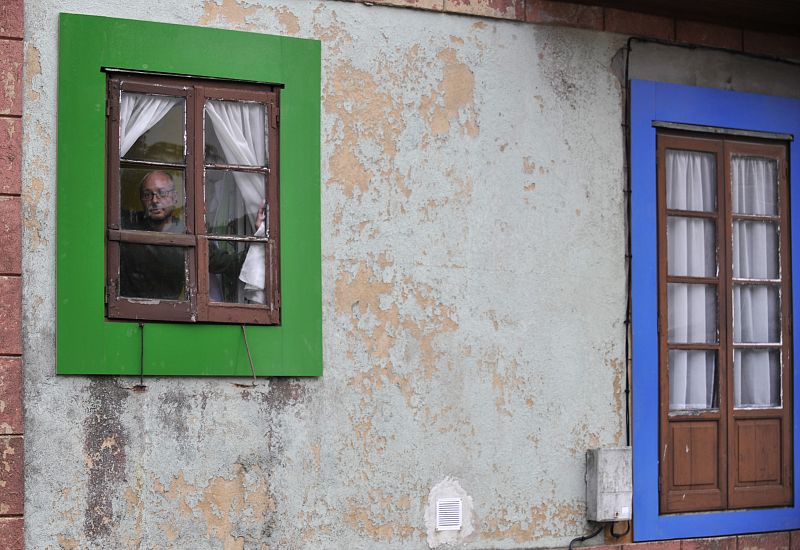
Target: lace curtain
[{"x": 692, "y": 308}]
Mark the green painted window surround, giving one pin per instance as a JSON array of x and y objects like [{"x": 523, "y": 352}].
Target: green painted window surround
[{"x": 88, "y": 343}]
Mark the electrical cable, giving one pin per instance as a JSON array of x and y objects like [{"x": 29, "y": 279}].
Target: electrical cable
[
  {"x": 627, "y": 530},
  {"x": 585, "y": 537},
  {"x": 629, "y": 250}
]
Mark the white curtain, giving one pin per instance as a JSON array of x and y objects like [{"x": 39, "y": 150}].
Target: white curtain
[
  {"x": 691, "y": 308},
  {"x": 240, "y": 130},
  {"x": 756, "y": 307},
  {"x": 138, "y": 113}
]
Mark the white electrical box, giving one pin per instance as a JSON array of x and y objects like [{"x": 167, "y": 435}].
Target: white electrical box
[{"x": 609, "y": 484}]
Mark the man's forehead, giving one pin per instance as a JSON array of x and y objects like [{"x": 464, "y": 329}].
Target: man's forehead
[{"x": 158, "y": 179}]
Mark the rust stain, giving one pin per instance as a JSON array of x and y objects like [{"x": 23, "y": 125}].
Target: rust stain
[
  {"x": 135, "y": 508},
  {"x": 170, "y": 531},
  {"x": 548, "y": 519},
  {"x": 224, "y": 502},
  {"x": 348, "y": 170},
  {"x": 179, "y": 491},
  {"x": 498, "y": 320},
  {"x": 33, "y": 68},
  {"x": 619, "y": 397},
  {"x": 42, "y": 135},
  {"x": 65, "y": 543},
  {"x": 229, "y": 11},
  {"x": 583, "y": 438},
  {"x": 528, "y": 166},
  {"x": 479, "y": 25},
  {"x": 32, "y": 199},
  {"x": 331, "y": 31},
  {"x": 364, "y": 292},
  {"x": 464, "y": 188},
  {"x": 373, "y": 518},
  {"x": 529, "y": 187},
  {"x": 316, "y": 453},
  {"x": 366, "y": 113},
  {"x": 506, "y": 380},
  {"x": 454, "y": 94},
  {"x": 288, "y": 20}
]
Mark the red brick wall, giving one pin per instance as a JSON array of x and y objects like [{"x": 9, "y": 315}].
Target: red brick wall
[
  {"x": 547, "y": 12},
  {"x": 786, "y": 540},
  {"x": 11, "y": 425}
]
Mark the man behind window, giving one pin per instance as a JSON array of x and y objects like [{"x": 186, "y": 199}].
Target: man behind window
[{"x": 160, "y": 271}]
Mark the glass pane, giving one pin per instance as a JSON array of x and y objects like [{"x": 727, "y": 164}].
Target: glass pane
[
  {"x": 234, "y": 202},
  {"x": 755, "y": 250},
  {"x": 692, "y": 313},
  {"x": 691, "y": 246},
  {"x": 235, "y": 133},
  {"x": 756, "y": 314},
  {"x": 691, "y": 180},
  {"x": 151, "y": 127},
  {"x": 150, "y": 271},
  {"x": 237, "y": 272},
  {"x": 756, "y": 378},
  {"x": 152, "y": 200},
  {"x": 754, "y": 185},
  {"x": 693, "y": 380}
]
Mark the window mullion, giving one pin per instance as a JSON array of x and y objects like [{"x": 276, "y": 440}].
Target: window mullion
[
  {"x": 726, "y": 322},
  {"x": 197, "y": 159}
]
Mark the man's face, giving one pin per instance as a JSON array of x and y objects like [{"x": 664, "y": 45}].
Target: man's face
[{"x": 158, "y": 197}]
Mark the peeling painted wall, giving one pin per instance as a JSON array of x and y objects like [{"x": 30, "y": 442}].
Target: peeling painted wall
[{"x": 473, "y": 303}]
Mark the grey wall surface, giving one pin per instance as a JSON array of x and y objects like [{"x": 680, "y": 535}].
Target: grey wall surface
[{"x": 473, "y": 305}]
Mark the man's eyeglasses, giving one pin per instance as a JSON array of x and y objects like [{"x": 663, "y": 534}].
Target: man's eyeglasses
[{"x": 160, "y": 193}]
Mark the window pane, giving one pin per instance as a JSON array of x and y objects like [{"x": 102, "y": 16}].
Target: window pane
[
  {"x": 151, "y": 271},
  {"x": 757, "y": 378},
  {"x": 152, "y": 200},
  {"x": 693, "y": 380},
  {"x": 692, "y": 247},
  {"x": 237, "y": 272},
  {"x": 235, "y": 133},
  {"x": 691, "y": 180},
  {"x": 151, "y": 127},
  {"x": 755, "y": 250},
  {"x": 692, "y": 313},
  {"x": 754, "y": 185},
  {"x": 233, "y": 201},
  {"x": 756, "y": 314}
]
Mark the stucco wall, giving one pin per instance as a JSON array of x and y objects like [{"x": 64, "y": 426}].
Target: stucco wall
[{"x": 473, "y": 304}]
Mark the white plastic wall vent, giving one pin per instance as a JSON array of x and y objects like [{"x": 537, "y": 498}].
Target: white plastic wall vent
[{"x": 448, "y": 514}]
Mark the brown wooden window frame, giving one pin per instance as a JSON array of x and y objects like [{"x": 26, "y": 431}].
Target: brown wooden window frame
[
  {"x": 710, "y": 447},
  {"x": 196, "y": 307}
]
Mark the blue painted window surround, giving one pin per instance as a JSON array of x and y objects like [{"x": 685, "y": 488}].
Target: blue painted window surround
[{"x": 655, "y": 101}]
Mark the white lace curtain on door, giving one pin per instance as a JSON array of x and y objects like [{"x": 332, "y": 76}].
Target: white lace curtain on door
[
  {"x": 692, "y": 307},
  {"x": 756, "y": 307}
]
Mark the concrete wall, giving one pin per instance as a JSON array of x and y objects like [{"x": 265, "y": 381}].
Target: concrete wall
[{"x": 473, "y": 304}]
